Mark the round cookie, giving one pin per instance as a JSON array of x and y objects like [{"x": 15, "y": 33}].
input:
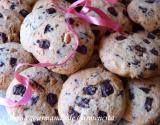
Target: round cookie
[
  {"x": 136, "y": 55},
  {"x": 90, "y": 95},
  {"x": 146, "y": 13},
  {"x": 32, "y": 22},
  {"x": 117, "y": 13},
  {"x": 11, "y": 54},
  {"x": 143, "y": 105},
  {"x": 10, "y": 23},
  {"x": 20, "y": 6},
  {"x": 43, "y": 104},
  {"x": 45, "y": 3},
  {"x": 53, "y": 43}
]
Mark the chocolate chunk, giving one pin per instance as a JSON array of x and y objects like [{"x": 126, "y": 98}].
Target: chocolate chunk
[
  {"x": 151, "y": 66},
  {"x": 1, "y": 16},
  {"x": 146, "y": 41},
  {"x": 140, "y": 50},
  {"x": 44, "y": 44},
  {"x": 82, "y": 49},
  {"x": 37, "y": 123},
  {"x": 73, "y": 113},
  {"x": 131, "y": 94},
  {"x": 112, "y": 11},
  {"x": 34, "y": 100},
  {"x": 13, "y": 62},
  {"x": 51, "y": 10},
  {"x": 48, "y": 28},
  {"x": 135, "y": 62},
  {"x": 19, "y": 90},
  {"x": 144, "y": 10},
  {"x": 64, "y": 77},
  {"x": 52, "y": 99},
  {"x": 1, "y": 64},
  {"x": 148, "y": 104},
  {"x": 3, "y": 37},
  {"x": 146, "y": 90},
  {"x": 121, "y": 37},
  {"x": 24, "y": 12},
  {"x": 125, "y": 13},
  {"x": 154, "y": 52},
  {"x": 79, "y": 8},
  {"x": 106, "y": 88},
  {"x": 90, "y": 90},
  {"x": 151, "y": 36},
  {"x": 149, "y": 1},
  {"x": 13, "y": 6},
  {"x": 69, "y": 21},
  {"x": 82, "y": 102},
  {"x": 102, "y": 115}
]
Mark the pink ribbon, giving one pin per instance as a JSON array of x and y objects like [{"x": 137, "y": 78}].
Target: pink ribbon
[{"x": 102, "y": 20}]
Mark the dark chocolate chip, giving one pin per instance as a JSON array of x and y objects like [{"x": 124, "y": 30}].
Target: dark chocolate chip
[
  {"x": 125, "y": 13},
  {"x": 37, "y": 123},
  {"x": 13, "y": 62},
  {"x": 24, "y": 12},
  {"x": 44, "y": 44},
  {"x": 146, "y": 41},
  {"x": 51, "y": 10},
  {"x": 121, "y": 37},
  {"x": 82, "y": 102},
  {"x": 102, "y": 115},
  {"x": 154, "y": 52},
  {"x": 1, "y": 64},
  {"x": 1, "y": 16},
  {"x": 34, "y": 100},
  {"x": 13, "y": 6},
  {"x": 135, "y": 62},
  {"x": 52, "y": 99},
  {"x": 48, "y": 28},
  {"x": 90, "y": 90},
  {"x": 106, "y": 88},
  {"x": 149, "y": 1},
  {"x": 144, "y": 10},
  {"x": 140, "y": 50},
  {"x": 151, "y": 36},
  {"x": 79, "y": 8},
  {"x": 73, "y": 113},
  {"x": 146, "y": 90},
  {"x": 69, "y": 21},
  {"x": 3, "y": 37},
  {"x": 19, "y": 90},
  {"x": 112, "y": 11},
  {"x": 64, "y": 77},
  {"x": 151, "y": 66},
  {"x": 148, "y": 104},
  {"x": 82, "y": 49},
  {"x": 131, "y": 94}
]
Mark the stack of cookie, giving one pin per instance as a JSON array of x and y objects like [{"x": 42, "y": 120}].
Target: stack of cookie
[{"x": 112, "y": 75}]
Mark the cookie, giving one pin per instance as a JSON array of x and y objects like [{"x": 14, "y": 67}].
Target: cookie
[
  {"x": 146, "y": 13},
  {"x": 90, "y": 95},
  {"x": 45, "y": 3},
  {"x": 31, "y": 2},
  {"x": 32, "y": 22},
  {"x": 117, "y": 13},
  {"x": 143, "y": 101},
  {"x": 135, "y": 56},
  {"x": 19, "y": 6},
  {"x": 11, "y": 54},
  {"x": 10, "y": 26},
  {"x": 53, "y": 43},
  {"x": 43, "y": 104}
]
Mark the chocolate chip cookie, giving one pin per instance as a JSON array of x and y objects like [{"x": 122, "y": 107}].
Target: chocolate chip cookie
[
  {"x": 136, "y": 55},
  {"x": 43, "y": 103},
  {"x": 90, "y": 95},
  {"x": 11, "y": 54},
  {"x": 143, "y": 101},
  {"x": 146, "y": 13}
]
